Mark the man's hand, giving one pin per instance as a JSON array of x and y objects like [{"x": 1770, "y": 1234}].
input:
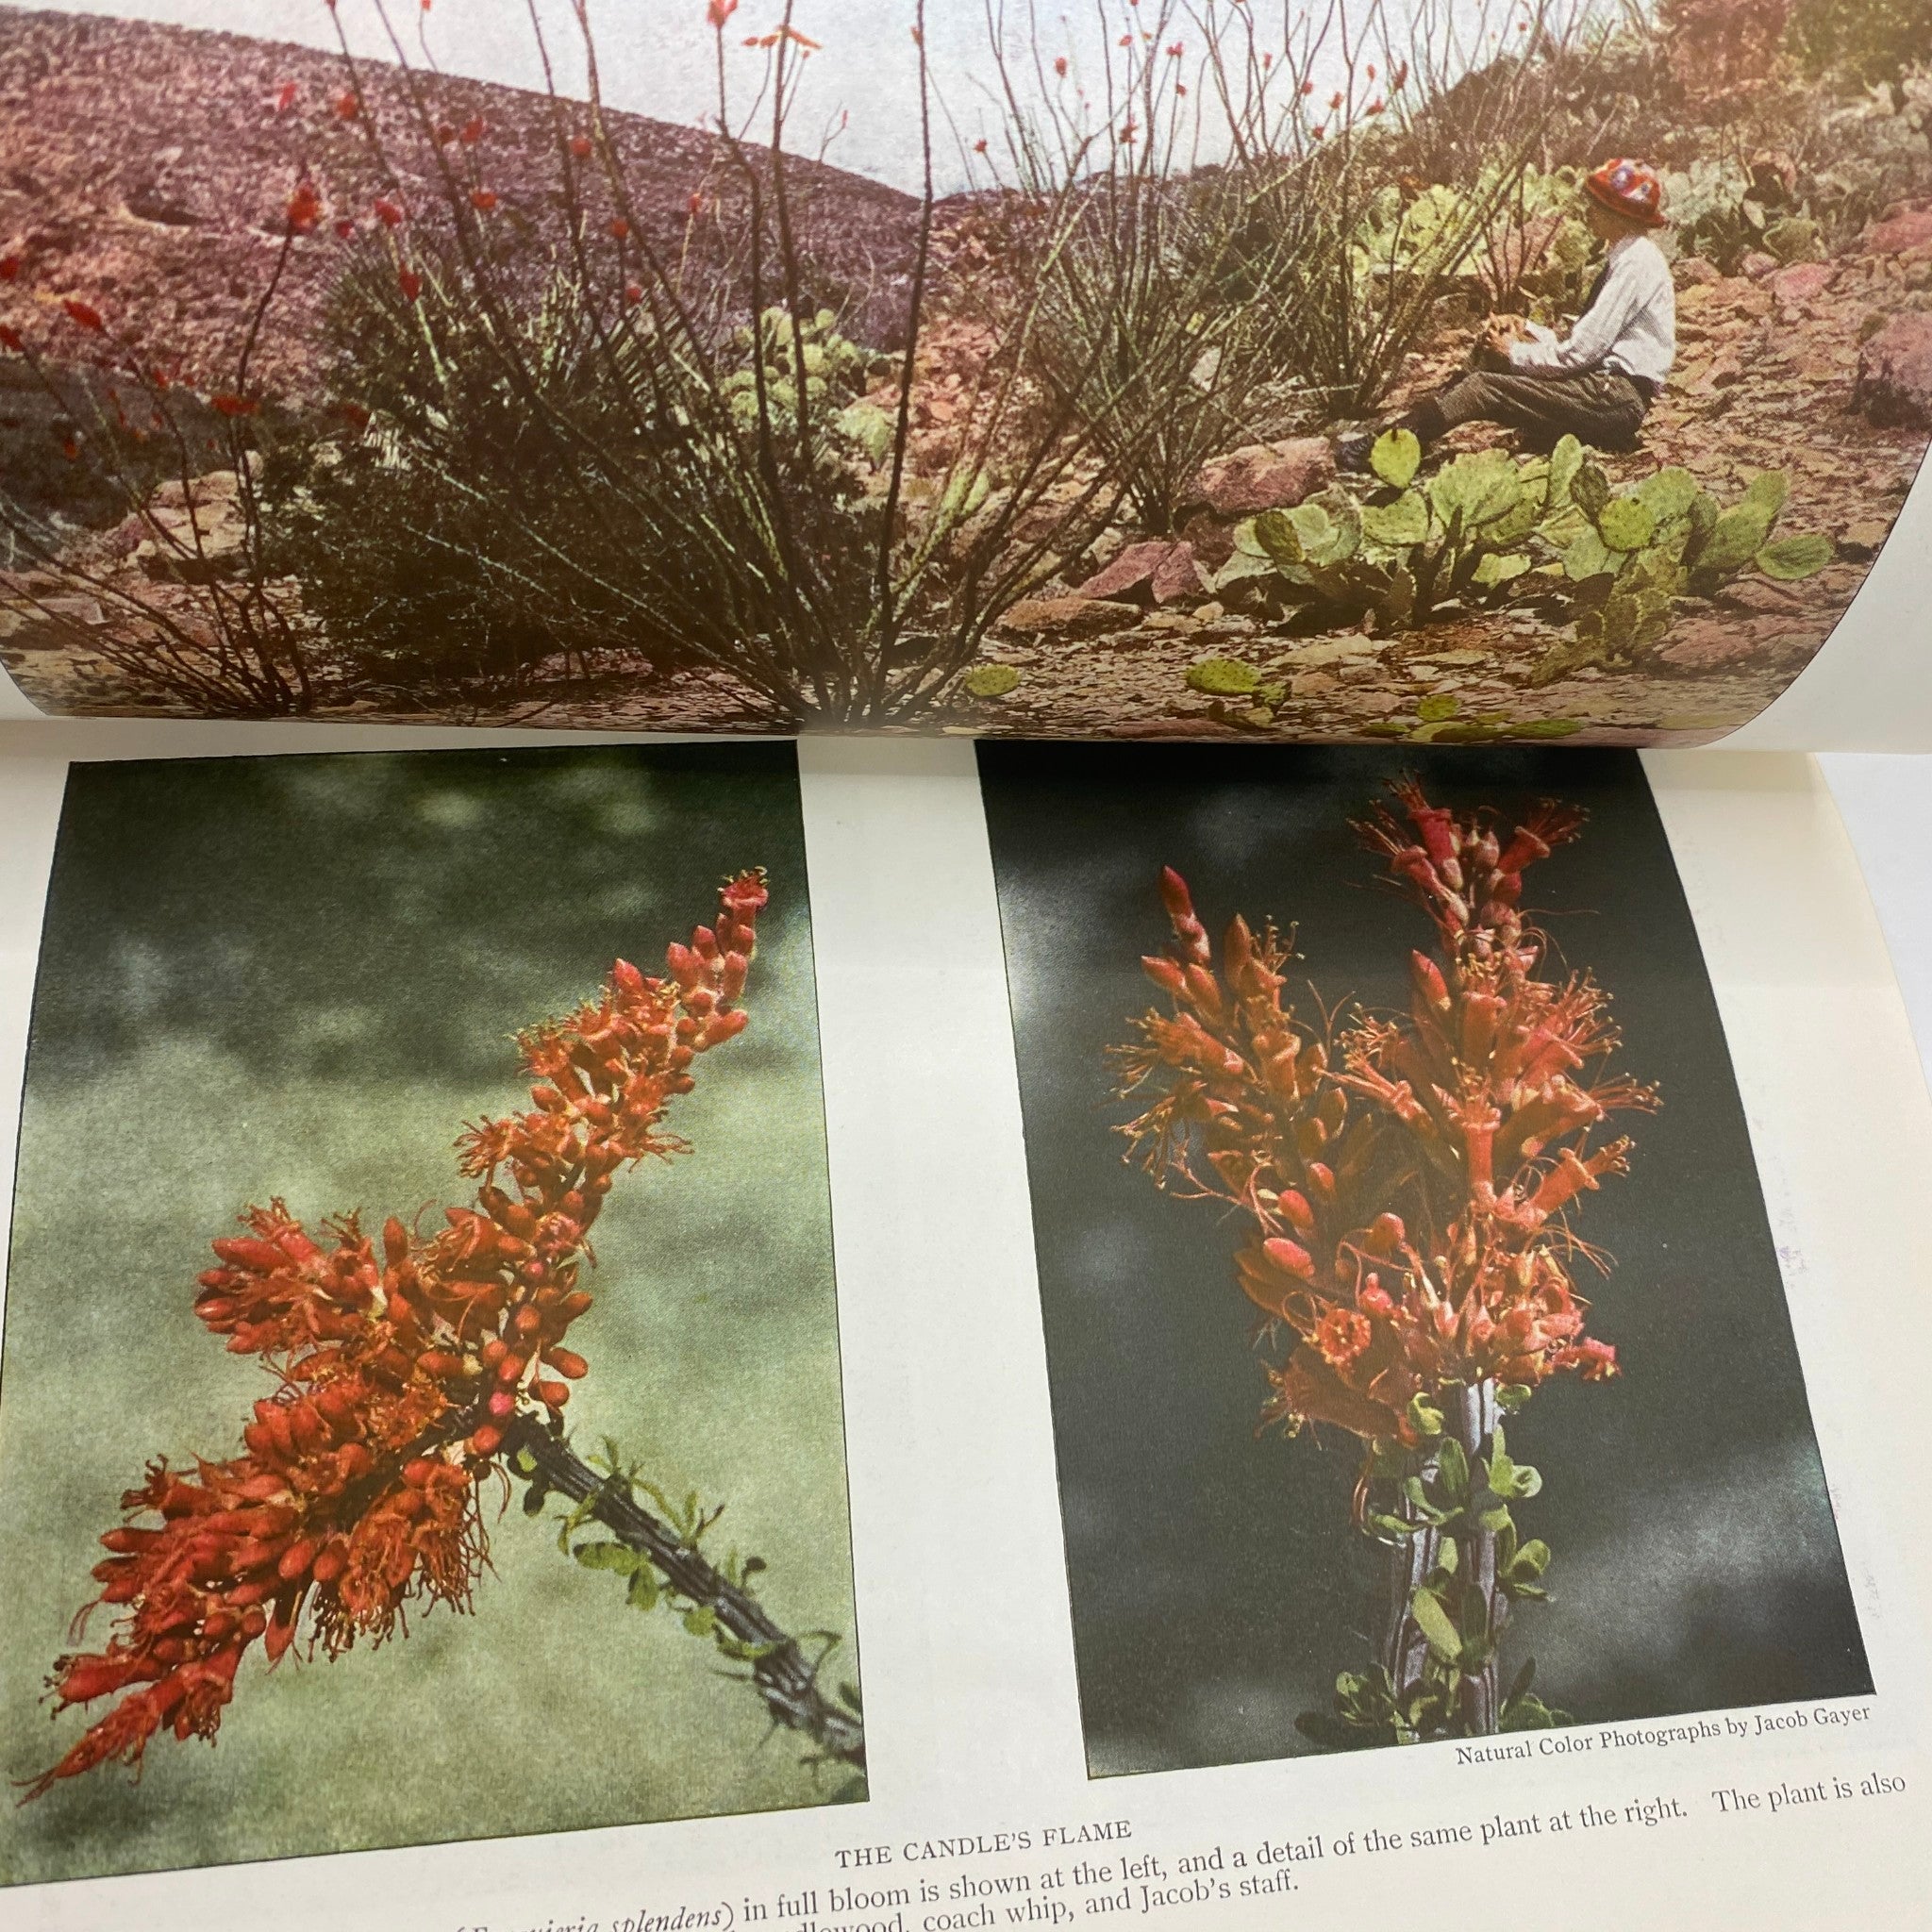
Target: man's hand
[{"x": 1500, "y": 332}]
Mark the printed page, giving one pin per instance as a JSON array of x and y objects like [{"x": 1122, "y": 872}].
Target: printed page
[
  {"x": 1427, "y": 371},
  {"x": 897, "y": 1510}
]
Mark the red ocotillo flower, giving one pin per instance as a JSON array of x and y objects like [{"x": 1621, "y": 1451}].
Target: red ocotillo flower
[
  {"x": 304, "y": 208},
  {"x": 1406, "y": 1179},
  {"x": 399, "y": 1365}
]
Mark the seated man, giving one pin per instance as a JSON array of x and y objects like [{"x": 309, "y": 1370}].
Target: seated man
[{"x": 1598, "y": 383}]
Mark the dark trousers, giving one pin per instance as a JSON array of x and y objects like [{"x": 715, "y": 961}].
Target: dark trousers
[{"x": 1599, "y": 407}]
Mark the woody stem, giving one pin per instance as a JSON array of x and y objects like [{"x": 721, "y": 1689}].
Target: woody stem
[
  {"x": 1471, "y": 1413},
  {"x": 784, "y": 1677}
]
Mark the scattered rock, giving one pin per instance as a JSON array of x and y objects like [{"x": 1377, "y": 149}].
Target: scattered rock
[
  {"x": 1804, "y": 281},
  {"x": 1894, "y": 384},
  {"x": 1863, "y": 539},
  {"x": 1758, "y": 265},
  {"x": 1212, "y": 540},
  {"x": 1902, "y": 230},
  {"x": 1266, "y": 476},
  {"x": 1711, "y": 643},
  {"x": 1193, "y": 725},
  {"x": 1708, "y": 302},
  {"x": 1764, "y": 597},
  {"x": 85, "y": 611},
  {"x": 1164, "y": 565},
  {"x": 1070, "y": 617},
  {"x": 1176, "y": 575},
  {"x": 1694, "y": 271},
  {"x": 150, "y": 203},
  {"x": 1330, "y": 651}
]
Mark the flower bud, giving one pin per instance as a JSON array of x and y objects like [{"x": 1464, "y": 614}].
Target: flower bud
[{"x": 1290, "y": 1258}]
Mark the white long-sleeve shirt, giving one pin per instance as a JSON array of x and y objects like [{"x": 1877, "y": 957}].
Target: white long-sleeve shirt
[{"x": 1631, "y": 326}]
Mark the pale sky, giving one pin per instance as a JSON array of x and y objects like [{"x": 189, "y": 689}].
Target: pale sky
[{"x": 656, "y": 56}]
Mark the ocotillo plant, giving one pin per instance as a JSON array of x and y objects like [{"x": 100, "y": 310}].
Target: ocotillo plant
[
  {"x": 1407, "y": 1182},
  {"x": 411, "y": 1369}
]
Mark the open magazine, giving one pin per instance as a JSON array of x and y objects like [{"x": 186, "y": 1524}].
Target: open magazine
[{"x": 670, "y": 1268}]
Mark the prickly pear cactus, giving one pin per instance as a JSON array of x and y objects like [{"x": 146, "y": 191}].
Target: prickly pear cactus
[
  {"x": 1488, "y": 527},
  {"x": 1628, "y": 557}
]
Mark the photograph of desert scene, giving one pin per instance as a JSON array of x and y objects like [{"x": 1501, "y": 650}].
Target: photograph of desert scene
[{"x": 1442, "y": 370}]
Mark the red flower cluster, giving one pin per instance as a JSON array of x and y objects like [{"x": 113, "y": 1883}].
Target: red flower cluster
[
  {"x": 400, "y": 1368},
  {"x": 1406, "y": 1179}
]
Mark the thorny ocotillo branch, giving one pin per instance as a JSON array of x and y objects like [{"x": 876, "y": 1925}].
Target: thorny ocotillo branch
[{"x": 785, "y": 1676}]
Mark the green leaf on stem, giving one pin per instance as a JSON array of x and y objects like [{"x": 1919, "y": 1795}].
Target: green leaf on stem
[{"x": 1437, "y": 1627}]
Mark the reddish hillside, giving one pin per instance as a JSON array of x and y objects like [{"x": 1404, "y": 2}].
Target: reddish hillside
[{"x": 146, "y": 170}]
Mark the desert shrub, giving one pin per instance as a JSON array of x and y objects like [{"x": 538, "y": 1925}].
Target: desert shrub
[
  {"x": 1442, "y": 174},
  {"x": 192, "y": 616},
  {"x": 537, "y": 480},
  {"x": 1869, "y": 42},
  {"x": 1189, "y": 307},
  {"x": 1173, "y": 303},
  {"x": 1168, "y": 320},
  {"x": 1719, "y": 51},
  {"x": 630, "y": 459},
  {"x": 1861, "y": 156},
  {"x": 1723, "y": 209}
]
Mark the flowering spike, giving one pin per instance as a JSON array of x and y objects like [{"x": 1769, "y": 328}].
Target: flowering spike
[
  {"x": 1408, "y": 1177},
  {"x": 396, "y": 1379}
]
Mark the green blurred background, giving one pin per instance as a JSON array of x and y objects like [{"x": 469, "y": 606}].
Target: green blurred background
[{"x": 299, "y": 976}]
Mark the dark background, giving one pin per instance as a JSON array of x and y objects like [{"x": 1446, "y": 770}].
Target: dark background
[
  {"x": 343, "y": 915},
  {"x": 1217, "y": 1586}
]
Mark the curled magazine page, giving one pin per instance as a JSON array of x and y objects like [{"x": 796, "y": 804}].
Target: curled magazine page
[
  {"x": 685, "y": 1231},
  {"x": 1426, "y": 371}
]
